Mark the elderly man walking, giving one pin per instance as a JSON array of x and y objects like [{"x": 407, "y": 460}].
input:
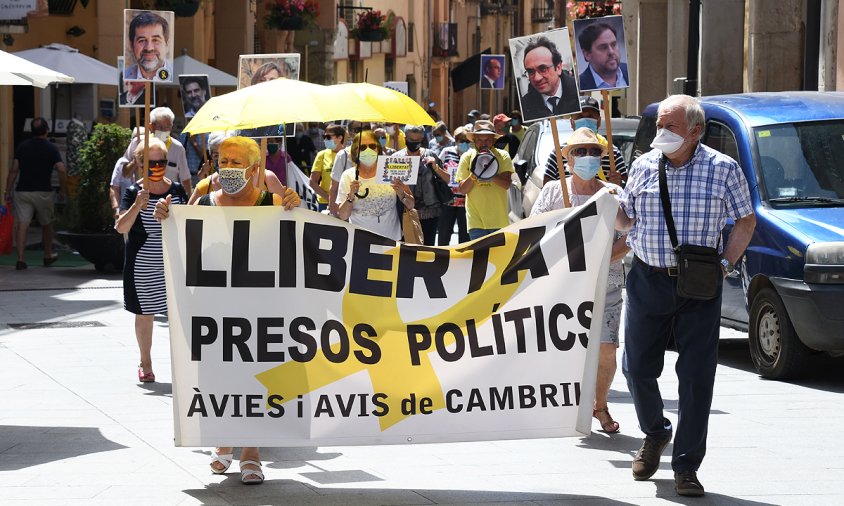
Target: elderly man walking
[
  {"x": 703, "y": 188},
  {"x": 484, "y": 175}
]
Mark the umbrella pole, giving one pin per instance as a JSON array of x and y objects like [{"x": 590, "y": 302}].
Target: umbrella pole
[
  {"x": 559, "y": 154},
  {"x": 259, "y": 181},
  {"x": 146, "y": 136}
]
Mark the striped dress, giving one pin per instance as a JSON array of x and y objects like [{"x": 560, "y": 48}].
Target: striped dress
[{"x": 143, "y": 271}]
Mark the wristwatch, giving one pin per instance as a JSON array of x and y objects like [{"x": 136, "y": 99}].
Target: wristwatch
[{"x": 729, "y": 268}]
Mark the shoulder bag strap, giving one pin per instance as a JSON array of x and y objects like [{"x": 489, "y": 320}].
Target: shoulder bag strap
[{"x": 666, "y": 203}]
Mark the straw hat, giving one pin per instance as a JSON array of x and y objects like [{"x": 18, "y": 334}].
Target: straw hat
[
  {"x": 482, "y": 127},
  {"x": 583, "y": 137}
]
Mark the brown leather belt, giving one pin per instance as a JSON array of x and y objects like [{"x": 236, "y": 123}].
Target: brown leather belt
[{"x": 670, "y": 271}]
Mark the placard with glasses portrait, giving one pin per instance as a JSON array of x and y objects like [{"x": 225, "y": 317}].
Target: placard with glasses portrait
[{"x": 545, "y": 75}]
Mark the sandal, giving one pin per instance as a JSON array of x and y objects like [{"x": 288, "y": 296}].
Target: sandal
[
  {"x": 145, "y": 377},
  {"x": 610, "y": 426},
  {"x": 251, "y": 476},
  {"x": 225, "y": 459}
]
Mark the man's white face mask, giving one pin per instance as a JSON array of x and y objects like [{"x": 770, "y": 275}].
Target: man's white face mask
[
  {"x": 667, "y": 141},
  {"x": 162, "y": 135}
]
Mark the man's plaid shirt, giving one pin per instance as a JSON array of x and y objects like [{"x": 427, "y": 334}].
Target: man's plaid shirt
[{"x": 704, "y": 191}]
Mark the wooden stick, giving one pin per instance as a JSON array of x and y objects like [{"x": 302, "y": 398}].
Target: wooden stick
[
  {"x": 259, "y": 181},
  {"x": 605, "y": 96},
  {"x": 137, "y": 134},
  {"x": 146, "y": 135},
  {"x": 560, "y": 167}
]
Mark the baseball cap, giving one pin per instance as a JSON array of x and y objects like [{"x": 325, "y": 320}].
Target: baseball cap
[
  {"x": 500, "y": 117},
  {"x": 587, "y": 102}
]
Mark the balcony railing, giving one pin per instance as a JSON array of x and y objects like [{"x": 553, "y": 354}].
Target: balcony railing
[{"x": 542, "y": 11}]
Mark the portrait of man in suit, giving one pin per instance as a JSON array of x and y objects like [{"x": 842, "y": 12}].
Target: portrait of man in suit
[
  {"x": 148, "y": 45},
  {"x": 601, "y": 53},
  {"x": 551, "y": 88},
  {"x": 131, "y": 93},
  {"x": 492, "y": 71},
  {"x": 195, "y": 93}
]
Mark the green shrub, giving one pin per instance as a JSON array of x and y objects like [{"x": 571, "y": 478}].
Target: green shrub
[{"x": 91, "y": 211}]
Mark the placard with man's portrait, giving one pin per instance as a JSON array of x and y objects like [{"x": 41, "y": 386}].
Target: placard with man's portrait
[
  {"x": 258, "y": 68},
  {"x": 601, "y": 53},
  {"x": 492, "y": 72},
  {"x": 131, "y": 93},
  {"x": 545, "y": 75},
  {"x": 148, "y": 45},
  {"x": 195, "y": 92}
]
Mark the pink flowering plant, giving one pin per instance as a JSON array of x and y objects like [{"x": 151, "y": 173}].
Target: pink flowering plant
[
  {"x": 371, "y": 21},
  {"x": 592, "y": 9},
  {"x": 281, "y": 11}
]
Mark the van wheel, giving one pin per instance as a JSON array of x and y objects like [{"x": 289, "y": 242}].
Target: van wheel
[{"x": 776, "y": 350}]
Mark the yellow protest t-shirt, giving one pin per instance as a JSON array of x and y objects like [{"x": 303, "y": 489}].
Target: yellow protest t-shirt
[
  {"x": 486, "y": 203},
  {"x": 323, "y": 163}
]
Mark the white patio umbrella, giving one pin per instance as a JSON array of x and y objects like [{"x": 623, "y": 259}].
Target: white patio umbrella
[
  {"x": 18, "y": 71},
  {"x": 68, "y": 60},
  {"x": 184, "y": 64}
]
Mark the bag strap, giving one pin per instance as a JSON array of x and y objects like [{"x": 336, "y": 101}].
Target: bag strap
[{"x": 666, "y": 203}]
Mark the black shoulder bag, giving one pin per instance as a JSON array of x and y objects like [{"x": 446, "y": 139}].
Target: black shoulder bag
[{"x": 699, "y": 274}]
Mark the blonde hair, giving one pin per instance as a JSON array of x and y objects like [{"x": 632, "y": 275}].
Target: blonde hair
[
  {"x": 355, "y": 150},
  {"x": 253, "y": 153},
  {"x": 154, "y": 142}
]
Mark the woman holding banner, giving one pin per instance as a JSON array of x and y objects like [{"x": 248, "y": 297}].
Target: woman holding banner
[
  {"x": 583, "y": 154},
  {"x": 239, "y": 163},
  {"x": 143, "y": 273},
  {"x": 366, "y": 202}
]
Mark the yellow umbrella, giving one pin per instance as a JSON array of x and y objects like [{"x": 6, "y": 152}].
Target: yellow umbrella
[
  {"x": 275, "y": 102},
  {"x": 391, "y": 106}
]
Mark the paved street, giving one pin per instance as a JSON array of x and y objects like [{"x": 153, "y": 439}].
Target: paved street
[{"x": 77, "y": 428}]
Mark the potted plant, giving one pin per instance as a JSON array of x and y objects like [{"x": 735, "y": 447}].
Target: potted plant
[
  {"x": 91, "y": 222},
  {"x": 290, "y": 14},
  {"x": 371, "y": 26}
]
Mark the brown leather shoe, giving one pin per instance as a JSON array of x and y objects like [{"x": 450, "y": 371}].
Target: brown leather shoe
[
  {"x": 646, "y": 461},
  {"x": 50, "y": 260},
  {"x": 687, "y": 484},
  {"x": 19, "y": 266}
]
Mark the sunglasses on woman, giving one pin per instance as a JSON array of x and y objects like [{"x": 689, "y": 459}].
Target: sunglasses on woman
[
  {"x": 157, "y": 164},
  {"x": 370, "y": 146},
  {"x": 586, "y": 151}
]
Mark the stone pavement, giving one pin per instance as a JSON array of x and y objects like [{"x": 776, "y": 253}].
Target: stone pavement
[{"x": 77, "y": 428}]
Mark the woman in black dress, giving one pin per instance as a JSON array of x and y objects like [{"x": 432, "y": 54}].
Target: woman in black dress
[{"x": 143, "y": 272}]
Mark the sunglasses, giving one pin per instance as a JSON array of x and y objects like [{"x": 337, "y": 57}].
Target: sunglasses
[
  {"x": 327, "y": 137},
  {"x": 586, "y": 151},
  {"x": 370, "y": 146},
  {"x": 157, "y": 164}
]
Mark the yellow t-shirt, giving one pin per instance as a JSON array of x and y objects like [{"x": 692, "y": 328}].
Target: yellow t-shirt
[
  {"x": 520, "y": 134},
  {"x": 323, "y": 163},
  {"x": 486, "y": 203},
  {"x": 401, "y": 142}
]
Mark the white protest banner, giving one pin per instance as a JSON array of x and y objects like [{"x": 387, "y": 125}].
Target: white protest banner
[
  {"x": 406, "y": 168},
  {"x": 292, "y": 328},
  {"x": 299, "y": 182}
]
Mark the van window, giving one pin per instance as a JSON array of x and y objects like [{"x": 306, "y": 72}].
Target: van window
[
  {"x": 802, "y": 163},
  {"x": 719, "y": 137},
  {"x": 645, "y": 134}
]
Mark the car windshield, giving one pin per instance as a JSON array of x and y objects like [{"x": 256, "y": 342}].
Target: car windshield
[{"x": 802, "y": 164}]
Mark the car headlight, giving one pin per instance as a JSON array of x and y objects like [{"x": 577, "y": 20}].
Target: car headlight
[{"x": 824, "y": 263}]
